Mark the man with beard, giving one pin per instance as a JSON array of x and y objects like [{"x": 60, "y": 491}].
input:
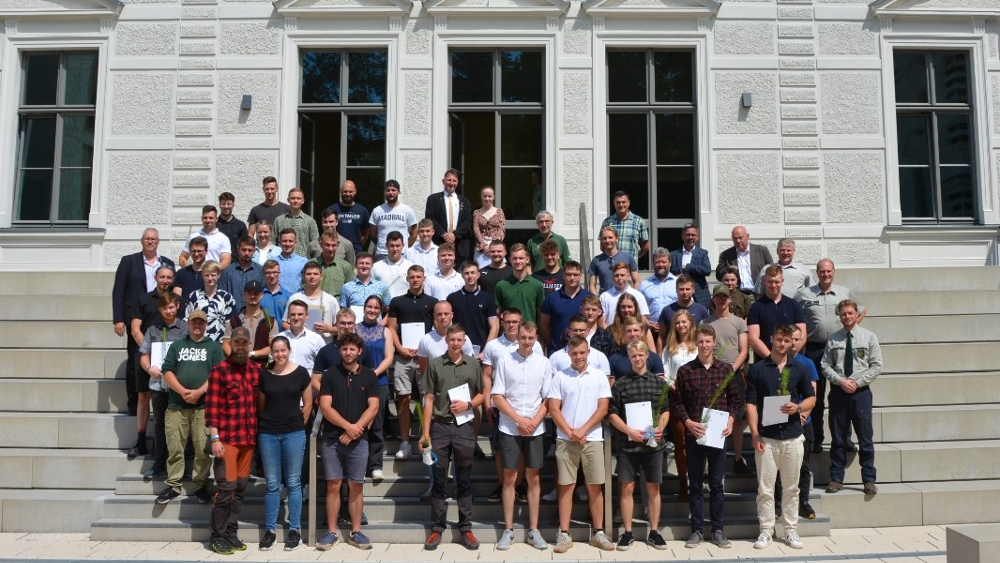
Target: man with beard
[
  {"x": 391, "y": 216},
  {"x": 352, "y": 218},
  {"x": 268, "y": 210}
]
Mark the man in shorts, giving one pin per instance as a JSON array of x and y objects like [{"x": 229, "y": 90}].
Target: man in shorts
[
  {"x": 520, "y": 382},
  {"x": 578, "y": 400},
  {"x": 348, "y": 400}
]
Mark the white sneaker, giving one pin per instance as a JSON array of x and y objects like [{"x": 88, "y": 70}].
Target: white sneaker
[
  {"x": 581, "y": 493},
  {"x": 763, "y": 540},
  {"x": 404, "y": 450},
  {"x": 551, "y": 496},
  {"x": 793, "y": 541},
  {"x": 377, "y": 476}
]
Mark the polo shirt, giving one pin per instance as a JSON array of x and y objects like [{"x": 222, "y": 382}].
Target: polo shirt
[
  {"x": 418, "y": 255},
  {"x": 697, "y": 310},
  {"x": 601, "y": 265},
  {"x": 769, "y": 314},
  {"x": 764, "y": 380},
  {"x": 329, "y": 356},
  {"x": 550, "y": 282},
  {"x": 188, "y": 280},
  {"x": 560, "y": 308},
  {"x": 441, "y": 287},
  {"x": 351, "y": 222},
  {"x": 580, "y": 393},
  {"x": 659, "y": 293},
  {"x": 473, "y": 310},
  {"x": 500, "y": 347},
  {"x": 335, "y": 275},
  {"x": 596, "y": 359},
  {"x": 444, "y": 374},
  {"x": 525, "y": 295},
  {"x": 410, "y": 308},
  {"x": 349, "y": 392},
  {"x": 524, "y": 384},
  {"x": 274, "y": 302},
  {"x": 490, "y": 276},
  {"x": 622, "y": 366},
  {"x": 433, "y": 345},
  {"x": 535, "y": 243}
]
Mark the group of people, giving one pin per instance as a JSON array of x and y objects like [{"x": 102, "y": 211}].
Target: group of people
[{"x": 273, "y": 323}]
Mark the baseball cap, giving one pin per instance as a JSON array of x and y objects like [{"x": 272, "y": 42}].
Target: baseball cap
[
  {"x": 197, "y": 314},
  {"x": 723, "y": 290},
  {"x": 239, "y": 333},
  {"x": 253, "y": 285}
]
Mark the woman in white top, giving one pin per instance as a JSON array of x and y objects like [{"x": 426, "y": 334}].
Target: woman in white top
[
  {"x": 265, "y": 250},
  {"x": 680, "y": 348}
]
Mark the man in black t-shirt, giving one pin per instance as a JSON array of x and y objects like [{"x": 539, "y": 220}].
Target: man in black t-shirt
[
  {"x": 497, "y": 269},
  {"x": 475, "y": 309},
  {"x": 268, "y": 210},
  {"x": 348, "y": 400},
  {"x": 551, "y": 275}
]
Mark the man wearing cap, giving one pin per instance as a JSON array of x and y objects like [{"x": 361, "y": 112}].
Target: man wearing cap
[
  {"x": 231, "y": 418},
  {"x": 391, "y": 216},
  {"x": 252, "y": 317},
  {"x": 185, "y": 371}
]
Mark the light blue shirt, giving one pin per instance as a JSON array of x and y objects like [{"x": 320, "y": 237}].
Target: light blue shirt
[
  {"x": 659, "y": 293},
  {"x": 291, "y": 272}
]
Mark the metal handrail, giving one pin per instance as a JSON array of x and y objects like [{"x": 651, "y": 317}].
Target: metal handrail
[{"x": 313, "y": 485}]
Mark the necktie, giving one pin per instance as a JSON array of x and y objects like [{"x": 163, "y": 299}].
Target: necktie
[
  {"x": 451, "y": 211},
  {"x": 849, "y": 357}
]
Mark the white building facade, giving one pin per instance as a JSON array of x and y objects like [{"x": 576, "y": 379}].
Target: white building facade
[{"x": 867, "y": 131}]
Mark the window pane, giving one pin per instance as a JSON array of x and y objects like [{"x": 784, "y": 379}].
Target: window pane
[
  {"x": 471, "y": 76},
  {"x": 38, "y": 150},
  {"x": 673, "y": 76},
  {"x": 321, "y": 77},
  {"x": 366, "y": 80},
  {"x": 36, "y": 195},
  {"x": 81, "y": 78},
  {"x": 627, "y": 139},
  {"x": 74, "y": 194},
  {"x": 626, "y": 76},
  {"x": 912, "y": 139},
  {"x": 521, "y": 76},
  {"x": 911, "y": 77},
  {"x": 915, "y": 194},
  {"x": 674, "y": 138},
  {"x": 517, "y": 195},
  {"x": 954, "y": 139},
  {"x": 369, "y": 182},
  {"x": 521, "y": 138},
  {"x": 675, "y": 193},
  {"x": 957, "y": 200},
  {"x": 41, "y": 74},
  {"x": 951, "y": 77},
  {"x": 78, "y": 141},
  {"x": 366, "y": 142},
  {"x": 633, "y": 180}
]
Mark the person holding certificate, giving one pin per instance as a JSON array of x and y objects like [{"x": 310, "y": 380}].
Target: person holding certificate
[
  {"x": 453, "y": 388},
  {"x": 779, "y": 445},
  {"x": 639, "y": 417},
  {"x": 702, "y": 385}
]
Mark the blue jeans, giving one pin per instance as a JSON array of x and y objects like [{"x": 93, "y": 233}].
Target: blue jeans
[{"x": 282, "y": 455}]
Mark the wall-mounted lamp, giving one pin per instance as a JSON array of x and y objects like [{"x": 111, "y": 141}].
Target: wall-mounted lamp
[
  {"x": 247, "y": 102},
  {"x": 746, "y": 100}
]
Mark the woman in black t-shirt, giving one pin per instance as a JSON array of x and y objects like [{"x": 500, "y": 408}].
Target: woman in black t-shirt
[{"x": 285, "y": 405}]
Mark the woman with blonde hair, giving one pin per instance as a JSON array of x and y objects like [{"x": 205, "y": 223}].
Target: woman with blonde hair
[
  {"x": 628, "y": 306},
  {"x": 680, "y": 349}
]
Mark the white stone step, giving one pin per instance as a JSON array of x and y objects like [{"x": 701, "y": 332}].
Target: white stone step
[
  {"x": 42, "y": 468},
  {"x": 915, "y": 504},
  {"x": 56, "y": 308},
  {"x": 63, "y": 395},
  {"x": 934, "y": 357},
  {"x": 919, "y": 279},
  {"x": 38, "y": 511},
  {"x": 941, "y": 302},
  {"x": 900, "y": 390},
  {"x": 64, "y": 364},
  {"x": 67, "y": 430},
  {"x": 64, "y": 335},
  {"x": 936, "y": 423},
  {"x": 57, "y": 283},
  {"x": 935, "y": 329}
]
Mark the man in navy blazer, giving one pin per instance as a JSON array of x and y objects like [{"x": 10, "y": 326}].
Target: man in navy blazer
[
  {"x": 135, "y": 277},
  {"x": 437, "y": 211},
  {"x": 694, "y": 262},
  {"x": 759, "y": 256}
]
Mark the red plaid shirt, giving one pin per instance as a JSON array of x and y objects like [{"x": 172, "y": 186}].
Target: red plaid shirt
[
  {"x": 231, "y": 402},
  {"x": 694, "y": 389}
]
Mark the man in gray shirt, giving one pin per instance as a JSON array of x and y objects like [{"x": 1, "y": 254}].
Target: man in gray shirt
[{"x": 796, "y": 274}]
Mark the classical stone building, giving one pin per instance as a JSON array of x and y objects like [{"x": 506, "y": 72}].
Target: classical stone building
[{"x": 868, "y": 131}]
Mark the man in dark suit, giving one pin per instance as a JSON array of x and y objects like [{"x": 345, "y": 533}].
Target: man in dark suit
[
  {"x": 749, "y": 258},
  {"x": 136, "y": 276},
  {"x": 694, "y": 262},
  {"x": 452, "y": 216}
]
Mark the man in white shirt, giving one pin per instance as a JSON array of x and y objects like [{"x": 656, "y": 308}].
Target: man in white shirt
[
  {"x": 620, "y": 276},
  {"x": 392, "y": 270},
  {"x": 578, "y": 401},
  {"x": 446, "y": 280},
  {"x": 424, "y": 252},
  {"x": 219, "y": 247},
  {"x": 433, "y": 344},
  {"x": 520, "y": 384},
  {"x": 318, "y": 300},
  {"x": 304, "y": 342},
  {"x": 560, "y": 359},
  {"x": 391, "y": 216}
]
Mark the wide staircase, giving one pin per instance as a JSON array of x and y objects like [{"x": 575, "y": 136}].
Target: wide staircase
[{"x": 62, "y": 398}]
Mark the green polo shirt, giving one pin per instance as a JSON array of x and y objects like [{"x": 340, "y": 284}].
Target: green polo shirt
[
  {"x": 537, "y": 264},
  {"x": 443, "y": 374},
  {"x": 525, "y": 295},
  {"x": 335, "y": 275}
]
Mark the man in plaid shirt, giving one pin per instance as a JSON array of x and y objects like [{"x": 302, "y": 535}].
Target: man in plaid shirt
[
  {"x": 231, "y": 418},
  {"x": 697, "y": 381},
  {"x": 633, "y": 234}
]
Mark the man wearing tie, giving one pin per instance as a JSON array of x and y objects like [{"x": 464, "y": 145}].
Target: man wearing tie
[{"x": 452, "y": 216}]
